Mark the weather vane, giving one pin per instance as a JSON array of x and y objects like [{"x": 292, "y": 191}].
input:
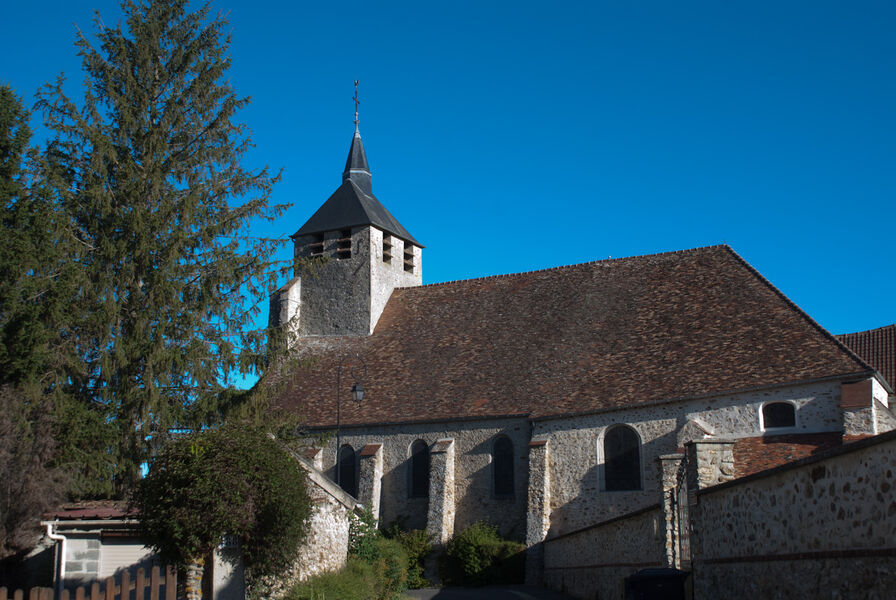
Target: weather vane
[{"x": 357, "y": 102}]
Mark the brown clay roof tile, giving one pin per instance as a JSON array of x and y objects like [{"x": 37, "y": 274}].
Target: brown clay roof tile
[
  {"x": 568, "y": 340},
  {"x": 877, "y": 347}
]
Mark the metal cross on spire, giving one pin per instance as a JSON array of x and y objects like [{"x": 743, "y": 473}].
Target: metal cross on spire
[{"x": 357, "y": 102}]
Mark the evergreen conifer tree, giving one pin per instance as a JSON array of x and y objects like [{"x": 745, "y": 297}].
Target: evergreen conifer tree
[{"x": 149, "y": 170}]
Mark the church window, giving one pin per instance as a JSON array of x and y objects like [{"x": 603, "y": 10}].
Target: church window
[
  {"x": 409, "y": 257},
  {"x": 776, "y": 415},
  {"x": 347, "y": 475},
  {"x": 622, "y": 459},
  {"x": 502, "y": 466},
  {"x": 344, "y": 244},
  {"x": 419, "y": 471}
]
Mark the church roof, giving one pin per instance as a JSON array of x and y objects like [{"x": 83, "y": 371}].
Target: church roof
[
  {"x": 353, "y": 203},
  {"x": 877, "y": 347},
  {"x": 584, "y": 338}
]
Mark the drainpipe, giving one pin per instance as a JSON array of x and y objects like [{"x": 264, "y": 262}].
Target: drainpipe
[{"x": 60, "y": 580}]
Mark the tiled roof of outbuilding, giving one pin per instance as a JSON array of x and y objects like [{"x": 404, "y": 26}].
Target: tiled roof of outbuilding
[
  {"x": 577, "y": 339},
  {"x": 877, "y": 347},
  {"x": 93, "y": 509},
  {"x": 755, "y": 454}
]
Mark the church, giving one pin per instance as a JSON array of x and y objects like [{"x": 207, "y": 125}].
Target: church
[{"x": 546, "y": 402}]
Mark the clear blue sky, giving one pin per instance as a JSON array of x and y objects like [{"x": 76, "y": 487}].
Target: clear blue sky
[{"x": 511, "y": 136}]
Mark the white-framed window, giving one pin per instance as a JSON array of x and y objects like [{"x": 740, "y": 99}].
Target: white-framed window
[{"x": 777, "y": 415}]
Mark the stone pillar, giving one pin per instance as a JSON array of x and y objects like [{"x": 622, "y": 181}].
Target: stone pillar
[
  {"x": 440, "y": 519},
  {"x": 371, "y": 477},
  {"x": 538, "y": 510},
  {"x": 710, "y": 462},
  {"x": 857, "y": 405},
  {"x": 669, "y": 464}
]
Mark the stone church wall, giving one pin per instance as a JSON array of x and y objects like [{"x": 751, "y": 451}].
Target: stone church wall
[
  {"x": 593, "y": 562},
  {"x": 473, "y": 482},
  {"x": 819, "y": 528},
  {"x": 577, "y": 493},
  {"x": 578, "y": 497}
]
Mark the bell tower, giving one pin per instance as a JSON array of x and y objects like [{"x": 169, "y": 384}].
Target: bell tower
[{"x": 349, "y": 256}]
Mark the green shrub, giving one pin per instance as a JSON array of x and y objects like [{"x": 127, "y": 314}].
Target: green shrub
[
  {"x": 417, "y": 545},
  {"x": 387, "y": 558},
  {"x": 391, "y": 567},
  {"x": 357, "y": 581},
  {"x": 362, "y": 536},
  {"x": 479, "y": 556}
]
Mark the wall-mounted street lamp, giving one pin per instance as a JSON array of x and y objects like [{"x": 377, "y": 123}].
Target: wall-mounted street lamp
[{"x": 357, "y": 396}]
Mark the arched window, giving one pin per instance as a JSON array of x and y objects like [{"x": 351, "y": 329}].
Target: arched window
[
  {"x": 347, "y": 475},
  {"x": 418, "y": 484},
  {"x": 622, "y": 459},
  {"x": 778, "y": 415},
  {"x": 502, "y": 466}
]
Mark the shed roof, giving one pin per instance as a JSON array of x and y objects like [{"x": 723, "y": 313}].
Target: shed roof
[{"x": 584, "y": 338}]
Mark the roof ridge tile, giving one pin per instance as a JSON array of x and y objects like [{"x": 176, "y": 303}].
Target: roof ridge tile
[{"x": 570, "y": 266}]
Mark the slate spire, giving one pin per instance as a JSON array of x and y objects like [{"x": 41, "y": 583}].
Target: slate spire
[
  {"x": 353, "y": 203},
  {"x": 356, "y": 167}
]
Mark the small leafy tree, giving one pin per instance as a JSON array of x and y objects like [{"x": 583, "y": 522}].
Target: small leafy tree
[{"x": 229, "y": 481}]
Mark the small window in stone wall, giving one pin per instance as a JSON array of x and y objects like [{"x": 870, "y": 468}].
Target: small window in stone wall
[
  {"x": 347, "y": 474},
  {"x": 502, "y": 467},
  {"x": 387, "y": 249},
  {"x": 777, "y": 415},
  {"x": 344, "y": 244},
  {"x": 418, "y": 485},
  {"x": 316, "y": 248},
  {"x": 622, "y": 459}
]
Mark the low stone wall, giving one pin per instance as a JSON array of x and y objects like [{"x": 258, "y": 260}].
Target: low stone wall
[
  {"x": 593, "y": 562},
  {"x": 823, "y": 527},
  {"x": 326, "y": 546}
]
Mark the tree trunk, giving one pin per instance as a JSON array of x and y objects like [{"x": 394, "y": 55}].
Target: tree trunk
[{"x": 193, "y": 583}]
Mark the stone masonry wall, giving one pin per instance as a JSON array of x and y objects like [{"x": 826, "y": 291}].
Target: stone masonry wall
[
  {"x": 593, "y": 562},
  {"x": 474, "y": 495},
  {"x": 578, "y": 496},
  {"x": 386, "y": 276},
  {"x": 335, "y": 293},
  {"x": 820, "y": 528},
  {"x": 884, "y": 417},
  {"x": 326, "y": 546}
]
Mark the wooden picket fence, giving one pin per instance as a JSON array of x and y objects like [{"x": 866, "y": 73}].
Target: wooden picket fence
[{"x": 141, "y": 588}]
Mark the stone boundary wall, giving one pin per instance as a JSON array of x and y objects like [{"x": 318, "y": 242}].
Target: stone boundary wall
[
  {"x": 326, "y": 546},
  {"x": 593, "y": 562},
  {"x": 822, "y": 527}
]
